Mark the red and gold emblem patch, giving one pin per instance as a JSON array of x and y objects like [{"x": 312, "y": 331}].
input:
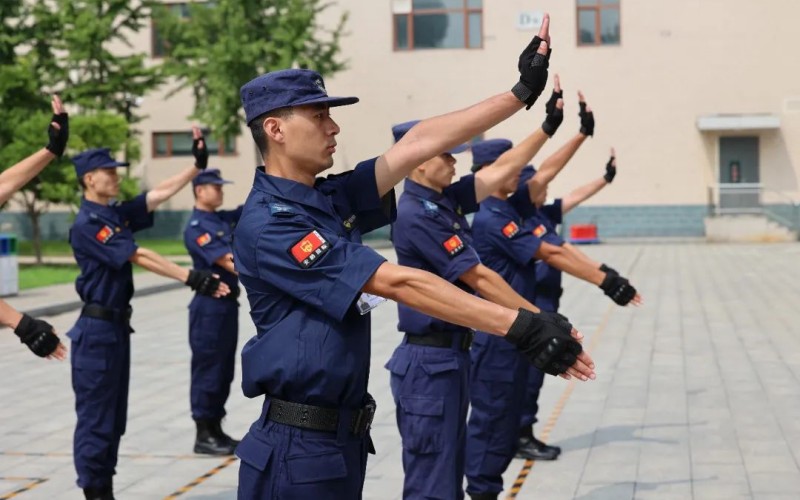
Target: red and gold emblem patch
[
  {"x": 453, "y": 245},
  {"x": 510, "y": 229},
  {"x": 104, "y": 234},
  {"x": 309, "y": 249},
  {"x": 539, "y": 231},
  {"x": 204, "y": 239}
]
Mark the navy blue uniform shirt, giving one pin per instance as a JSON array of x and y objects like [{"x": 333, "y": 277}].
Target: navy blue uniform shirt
[
  {"x": 208, "y": 236},
  {"x": 102, "y": 241},
  {"x": 432, "y": 234},
  {"x": 506, "y": 244},
  {"x": 299, "y": 256}
]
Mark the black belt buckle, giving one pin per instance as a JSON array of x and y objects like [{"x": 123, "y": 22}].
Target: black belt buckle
[
  {"x": 364, "y": 417},
  {"x": 466, "y": 340}
]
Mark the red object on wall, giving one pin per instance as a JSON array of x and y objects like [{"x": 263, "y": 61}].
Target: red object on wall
[{"x": 583, "y": 233}]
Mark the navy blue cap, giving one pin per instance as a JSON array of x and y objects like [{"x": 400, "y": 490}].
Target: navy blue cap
[
  {"x": 525, "y": 175},
  {"x": 209, "y": 176},
  {"x": 92, "y": 159},
  {"x": 401, "y": 129},
  {"x": 488, "y": 151},
  {"x": 284, "y": 88}
]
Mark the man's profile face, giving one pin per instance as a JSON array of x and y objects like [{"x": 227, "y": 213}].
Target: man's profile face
[{"x": 309, "y": 135}]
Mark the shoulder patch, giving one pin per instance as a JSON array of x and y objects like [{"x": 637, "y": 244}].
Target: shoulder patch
[
  {"x": 104, "y": 234},
  {"x": 540, "y": 230},
  {"x": 194, "y": 222},
  {"x": 204, "y": 239},
  {"x": 309, "y": 249},
  {"x": 431, "y": 206},
  {"x": 453, "y": 245},
  {"x": 280, "y": 208},
  {"x": 510, "y": 230}
]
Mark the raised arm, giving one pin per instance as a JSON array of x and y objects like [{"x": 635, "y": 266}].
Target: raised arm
[
  {"x": 167, "y": 188},
  {"x": 489, "y": 179},
  {"x": 14, "y": 178},
  {"x": 435, "y": 135},
  {"x": 583, "y": 193},
  {"x": 557, "y": 161}
]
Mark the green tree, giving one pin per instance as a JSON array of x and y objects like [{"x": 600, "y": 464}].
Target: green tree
[
  {"x": 92, "y": 57},
  {"x": 66, "y": 46},
  {"x": 229, "y": 42},
  {"x": 57, "y": 183}
]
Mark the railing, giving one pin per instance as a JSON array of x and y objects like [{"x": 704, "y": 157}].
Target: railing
[
  {"x": 790, "y": 216},
  {"x": 739, "y": 198}
]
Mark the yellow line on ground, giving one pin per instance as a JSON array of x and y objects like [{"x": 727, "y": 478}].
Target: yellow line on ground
[
  {"x": 183, "y": 489},
  {"x": 556, "y": 413},
  {"x": 34, "y": 482}
]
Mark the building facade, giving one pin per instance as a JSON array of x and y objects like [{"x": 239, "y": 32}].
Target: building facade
[{"x": 701, "y": 100}]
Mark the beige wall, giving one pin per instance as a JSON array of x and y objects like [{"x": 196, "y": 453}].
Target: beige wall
[{"x": 678, "y": 59}]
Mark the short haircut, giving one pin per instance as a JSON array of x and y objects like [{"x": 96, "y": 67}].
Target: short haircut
[{"x": 257, "y": 127}]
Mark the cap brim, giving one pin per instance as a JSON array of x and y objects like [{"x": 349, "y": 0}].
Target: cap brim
[
  {"x": 330, "y": 101},
  {"x": 459, "y": 149},
  {"x": 116, "y": 164}
]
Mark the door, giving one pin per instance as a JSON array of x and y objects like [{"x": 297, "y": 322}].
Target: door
[{"x": 739, "y": 189}]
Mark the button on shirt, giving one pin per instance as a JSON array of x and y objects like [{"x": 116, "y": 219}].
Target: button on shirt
[
  {"x": 506, "y": 244},
  {"x": 432, "y": 234},
  {"x": 299, "y": 256},
  {"x": 208, "y": 236},
  {"x": 102, "y": 241}
]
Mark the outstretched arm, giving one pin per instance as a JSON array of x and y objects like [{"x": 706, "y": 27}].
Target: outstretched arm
[
  {"x": 13, "y": 178},
  {"x": 203, "y": 281},
  {"x": 38, "y": 335},
  {"x": 434, "y": 296}
]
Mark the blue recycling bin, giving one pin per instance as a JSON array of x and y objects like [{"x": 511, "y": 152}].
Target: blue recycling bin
[{"x": 9, "y": 265}]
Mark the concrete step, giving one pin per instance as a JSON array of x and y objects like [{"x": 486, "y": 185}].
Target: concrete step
[{"x": 746, "y": 229}]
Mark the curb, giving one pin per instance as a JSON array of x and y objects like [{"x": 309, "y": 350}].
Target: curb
[{"x": 65, "y": 307}]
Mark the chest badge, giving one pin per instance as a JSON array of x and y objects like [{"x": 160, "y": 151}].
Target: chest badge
[
  {"x": 349, "y": 223},
  {"x": 453, "y": 245},
  {"x": 117, "y": 229},
  {"x": 540, "y": 230},
  {"x": 309, "y": 249},
  {"x": 510, "y": 230}
]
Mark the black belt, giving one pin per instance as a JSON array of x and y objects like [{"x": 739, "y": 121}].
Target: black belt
[
  {"x": 107, "y": 313},
  {"x": 458, "y": 340},
  {"x": 549, "y": 291},
  {"x": 316, "y": 418}
]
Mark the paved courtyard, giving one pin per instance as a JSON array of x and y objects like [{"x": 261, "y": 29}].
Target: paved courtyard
[{"x": 697, "y": 395}]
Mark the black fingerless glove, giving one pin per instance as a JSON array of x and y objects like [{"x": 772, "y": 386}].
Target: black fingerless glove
[
  {"x": 532, "y": 73},
  {"x": 203, "y": 282},
  {"x": 587, "y": 120},
  {"x": 200, "y": 154},
  {"x": 58, "y": 136},
  {"x": 611, "y": 171},
  {"x": 546, "y": 340},
  {"x": 608, "y": 270},
  {"x": 554, "y": 115},
  {"x": 618, "y": 289},
  {"x": 37, "y": 335}
]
